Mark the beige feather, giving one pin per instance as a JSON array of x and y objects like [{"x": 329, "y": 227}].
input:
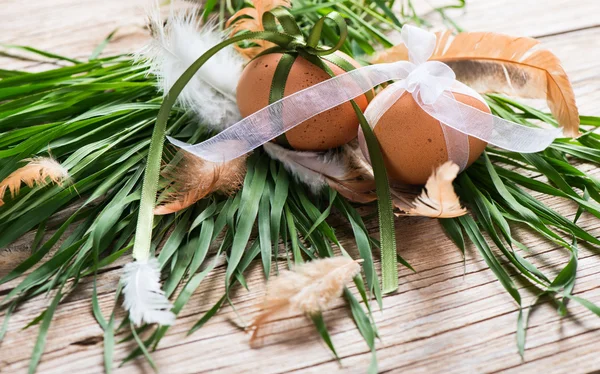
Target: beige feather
[
  {"x": 309, "y": 289},
  {"x": 38, "y": 171},
  {"x": 192, "y": 178},
  {"x": 438, "y": 199},
  {"x": 250, "y": 19},
  {"x": 490, "y": 62},
  {"x": 345, "y": 171}
]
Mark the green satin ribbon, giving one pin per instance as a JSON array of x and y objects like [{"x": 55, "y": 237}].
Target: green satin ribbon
[
  {"x": 281, "y": 17},
  {"x": 301, "y": 45},
  {"x": 278, "y": 84},
  {"x": 389, "y": 260},
  {"x": 290, "y": 40}
]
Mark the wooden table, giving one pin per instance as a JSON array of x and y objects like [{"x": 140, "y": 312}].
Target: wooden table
[{"x": 444, "y": 318}]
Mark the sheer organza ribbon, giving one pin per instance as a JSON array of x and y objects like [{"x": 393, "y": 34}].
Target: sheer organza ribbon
[{"x": 431, "y": 83}]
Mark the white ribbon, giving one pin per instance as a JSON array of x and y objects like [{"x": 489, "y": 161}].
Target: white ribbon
[{"x": 430, "y": 82}]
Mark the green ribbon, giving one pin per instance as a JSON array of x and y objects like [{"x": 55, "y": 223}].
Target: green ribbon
[
  {"x": 288, "y": 39},
  {"x": 389, "y": 260},
  {"x": 278, "y": 84},
  {"x": 301, "y": 45},
  {"x": 282, "y": 18}
]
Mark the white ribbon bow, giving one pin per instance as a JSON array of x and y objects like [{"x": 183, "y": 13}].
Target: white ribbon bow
[
  {"x": 430, "y": 82},
  {"x": 431, "y": 78}
]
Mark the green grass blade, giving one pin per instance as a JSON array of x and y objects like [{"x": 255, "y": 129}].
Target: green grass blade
[
  {"x": 322, "y": 330},
  {"x": 143, "y": 348},
  {"x": 264, "y": 230},
  {"x": 248, "y": 212},
  {"x": 454, "y": 231},
  {"x": 4, "y": 327},
  {"x": 293, "y": 235},
  {"x": 40, "y": 52},
  {"x": 211, "y": 312},
  {"x": 40, "y": 343},
  {"x": 98, "y": 50}
]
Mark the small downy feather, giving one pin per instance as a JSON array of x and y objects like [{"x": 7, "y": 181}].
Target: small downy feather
[
  {"x": 143, "y": 296},
  {"x": 38, "y": 171},
  {"x": 490, "y": 62},
  {"x": 175, "y": 45},
  {"x": 192, "y": 178},
  {"x": 309, "y": 288},
  {"x": 438, "y": 199},
  {"x": 345, "y": 171},
  {"x": 250, "y": 19}
]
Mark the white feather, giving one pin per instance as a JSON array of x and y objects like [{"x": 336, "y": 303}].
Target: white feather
[
  {"x": 311, "y": 168},
  {"x": 175, "y": 46},
  {"x": 143, "y": 297}
]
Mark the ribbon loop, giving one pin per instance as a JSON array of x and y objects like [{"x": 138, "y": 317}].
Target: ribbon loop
[
  {"x": 420, "y": 43},
  {"x": 285, "y": 19},
  {"x": 310, "y": 45},
  {"x": 315, "y": 34}
]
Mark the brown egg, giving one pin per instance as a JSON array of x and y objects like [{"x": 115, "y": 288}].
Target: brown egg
[
  {"x": 413, "y": 143},
  {"x": 326, "y": 130}
]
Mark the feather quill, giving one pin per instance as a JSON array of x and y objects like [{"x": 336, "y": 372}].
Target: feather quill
[
  {"x": 38, "y": 171},
  {"x": 175, "y": 45},
  {"x": 490, "y": 62},
  {"x": 250, "y": 19},
  {"x": 438, "y": 199},
  {"x": 191, "y": 178},
  {"x": 143, "y": 296},
  {"x": 346, "y": 171},
  {"x": 309, "y": 288}
]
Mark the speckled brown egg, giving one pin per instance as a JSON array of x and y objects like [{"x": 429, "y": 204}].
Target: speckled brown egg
[
  {"x": 326, "y": 130},
  {"x": 413, "y": 143}
]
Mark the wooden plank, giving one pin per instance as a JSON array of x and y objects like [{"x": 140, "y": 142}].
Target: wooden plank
[
  {"x": 446, "y": 317},
  {"x": 73, "y": 28},
  {"x": 526, "y": 17}
]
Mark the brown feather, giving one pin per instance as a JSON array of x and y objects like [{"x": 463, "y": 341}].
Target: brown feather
[
  {"x": 490, "y": 62},
  {"x": 252, "y": 21},
  {"x": 191, "y": 178},
  {"x": 438, "y": 199},
  {"x": 345, "y": 171},
  {"x": 309, "y": 289},
  {"x": 39, "y": 170},
  {"x": 358, "y": 183}
]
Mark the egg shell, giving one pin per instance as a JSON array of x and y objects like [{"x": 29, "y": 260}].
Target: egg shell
[
  {"x": 413, "y": 143},
  {"x": 330, "y": 129}
]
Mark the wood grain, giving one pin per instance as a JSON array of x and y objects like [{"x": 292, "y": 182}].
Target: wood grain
[{"x": 449, "y": 316}]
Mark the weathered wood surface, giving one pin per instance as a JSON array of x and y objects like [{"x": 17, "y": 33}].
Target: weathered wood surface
[{"x": 444, "y": 318}]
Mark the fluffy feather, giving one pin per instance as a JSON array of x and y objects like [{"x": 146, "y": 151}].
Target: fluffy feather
[
  {"x": 39, "y": 170},
  {"x": 346, "y": 171},
  {"x": 490, "y": 62},
  {"x": 143, "y": 297},
  {"x": 309, "y": 288},
  {"x": 438, "y": 199},
  {"x": 250, "y": 19},
  {"x": 192, "y": 178},
  {"x": 176, "y": 44}
]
